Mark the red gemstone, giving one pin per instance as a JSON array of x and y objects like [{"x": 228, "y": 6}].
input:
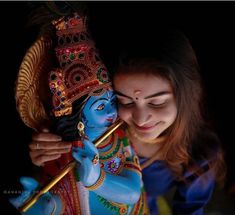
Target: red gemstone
[{"x": 74, "y": 22}]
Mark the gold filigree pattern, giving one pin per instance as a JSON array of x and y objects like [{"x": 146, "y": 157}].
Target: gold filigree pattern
[{"x": 31, "y": 83}]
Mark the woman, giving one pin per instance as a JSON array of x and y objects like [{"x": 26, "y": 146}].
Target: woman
[{"x": 159, "y": 93}]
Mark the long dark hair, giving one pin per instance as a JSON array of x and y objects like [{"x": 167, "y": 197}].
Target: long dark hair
[{"x": 171, "y": 56}]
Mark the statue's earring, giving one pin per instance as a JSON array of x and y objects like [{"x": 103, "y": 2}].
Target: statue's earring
[
  {"x": 80, "y": 128},
  {"x": 95, "y": 159}
]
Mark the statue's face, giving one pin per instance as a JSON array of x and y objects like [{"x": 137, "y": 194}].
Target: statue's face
[{"x": 100, "y": 111}]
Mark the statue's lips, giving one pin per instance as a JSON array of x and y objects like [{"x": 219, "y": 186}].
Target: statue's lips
[{"x": 110, "y": 119}]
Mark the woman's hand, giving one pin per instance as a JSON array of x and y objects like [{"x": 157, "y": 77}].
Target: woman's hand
[{"x": 46, "y": 146}]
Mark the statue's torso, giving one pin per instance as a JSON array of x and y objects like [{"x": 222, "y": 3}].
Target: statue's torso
[{"x": 115, "y": 154}]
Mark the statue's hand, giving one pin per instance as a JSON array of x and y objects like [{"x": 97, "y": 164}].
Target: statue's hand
[
  {"x": 46, "y": 204},
  {"x": 88, "y": 157}
]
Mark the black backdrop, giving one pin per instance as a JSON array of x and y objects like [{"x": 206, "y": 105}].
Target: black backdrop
[{"x": 208, "y": 25}]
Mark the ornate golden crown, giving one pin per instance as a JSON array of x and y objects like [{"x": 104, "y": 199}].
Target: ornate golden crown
[{"x": 81, "y": 71}]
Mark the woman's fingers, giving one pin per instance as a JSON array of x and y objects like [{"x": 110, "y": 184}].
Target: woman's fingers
[
  {"x": 37, "y": 145},
  {"x": 47, "y": 151},
  {"x": 57, "y": 151},
  {"x": 41, "y": 152},
  {"x": 41, "y": 159},
  {"x": 46, "y": 147},
  {"x": 46, "y": 137}
]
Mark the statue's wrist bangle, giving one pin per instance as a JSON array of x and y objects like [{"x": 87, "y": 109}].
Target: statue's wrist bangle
[{"x": 98, "y": 182}]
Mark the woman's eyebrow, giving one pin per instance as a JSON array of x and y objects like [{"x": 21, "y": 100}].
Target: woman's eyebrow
[
  {"x": 121, "y": 94},
  {"x": 158, "y": 94},
  {"x": 147, "y": 97}
]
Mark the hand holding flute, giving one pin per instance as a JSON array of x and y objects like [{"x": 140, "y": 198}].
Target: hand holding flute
[{"x": 29, "y": 198}]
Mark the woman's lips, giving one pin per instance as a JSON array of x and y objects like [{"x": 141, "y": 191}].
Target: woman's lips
[
  {"x": 110, "y": 119},
  {"x": 144, "y": 128}
]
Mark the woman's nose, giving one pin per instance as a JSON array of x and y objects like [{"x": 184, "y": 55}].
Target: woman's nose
[{"x": 140, "y": 116}]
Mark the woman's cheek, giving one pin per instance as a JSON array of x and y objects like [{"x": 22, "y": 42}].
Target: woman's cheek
[{"x": 124, "y": 114}]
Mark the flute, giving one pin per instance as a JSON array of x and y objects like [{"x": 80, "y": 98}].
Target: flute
[{"x": 65, "y": 170}]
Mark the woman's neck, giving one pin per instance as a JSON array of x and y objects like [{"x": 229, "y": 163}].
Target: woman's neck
[{"x": 143, "y": 149}]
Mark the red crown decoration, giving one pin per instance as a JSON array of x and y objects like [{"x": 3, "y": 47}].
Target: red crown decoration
[{"x": 81, "y": 71}]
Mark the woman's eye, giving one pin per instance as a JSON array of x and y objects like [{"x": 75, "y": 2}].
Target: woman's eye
[
  {"x": 157, "y": 105},
  {"x": 126, "y": 104},
  {"x": 100, "y": 107}
]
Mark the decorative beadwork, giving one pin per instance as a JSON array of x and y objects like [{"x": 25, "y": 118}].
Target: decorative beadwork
[
  {"x": 60, "y": 102},
  {"x": 82, "y": 72},
  {"x": 113, "y": 166},
  {"x": 65, "y": 23},
  {"x": 116, "y": 208},
  {"x": 78, "y": 143},
  {"x": 140, "y": 207},
  {"x": 113, "y": 161},
  {"x": 112, "y": 152},
  {"x": 132, "y": 167},
  {"x": 106, "y": 142}
]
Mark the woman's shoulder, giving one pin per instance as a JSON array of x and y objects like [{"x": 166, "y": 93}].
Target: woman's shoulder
[
  {"x": 204, "y": 151},
  {"x": 205, "y": 146}
]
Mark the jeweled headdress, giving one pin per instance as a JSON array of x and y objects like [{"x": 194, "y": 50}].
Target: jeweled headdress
[
  {"x": 32, "y": 94},
  {"x": 81, "y": 71}
]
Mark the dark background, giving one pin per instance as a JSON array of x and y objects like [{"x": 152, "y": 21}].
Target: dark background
[{"x": 208, "y": 25}]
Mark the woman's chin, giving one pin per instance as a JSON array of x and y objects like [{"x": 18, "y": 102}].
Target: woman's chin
[{"x": 147, "y": 135}]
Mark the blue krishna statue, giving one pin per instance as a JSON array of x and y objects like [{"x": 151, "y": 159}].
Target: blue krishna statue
[{"x": 107, "y": 178}]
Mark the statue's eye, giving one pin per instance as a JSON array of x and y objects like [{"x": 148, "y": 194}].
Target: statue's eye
[{"x": 100, "y": 107}]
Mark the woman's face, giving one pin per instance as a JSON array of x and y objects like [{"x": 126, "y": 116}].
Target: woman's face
[
  {"x": 100, "y": 111},
  {"x": 146, "y": 103}
]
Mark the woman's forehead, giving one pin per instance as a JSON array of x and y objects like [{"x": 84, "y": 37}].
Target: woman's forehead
[{"x": 145, "y": 83}]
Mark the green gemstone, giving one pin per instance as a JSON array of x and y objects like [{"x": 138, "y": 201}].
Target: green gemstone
[{"x": 72, "y": 56}]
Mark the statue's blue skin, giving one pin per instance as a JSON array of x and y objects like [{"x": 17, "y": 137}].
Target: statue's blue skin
[
  {"x": 45, "y": 204},
  {"x": 98, "y": 113}
]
